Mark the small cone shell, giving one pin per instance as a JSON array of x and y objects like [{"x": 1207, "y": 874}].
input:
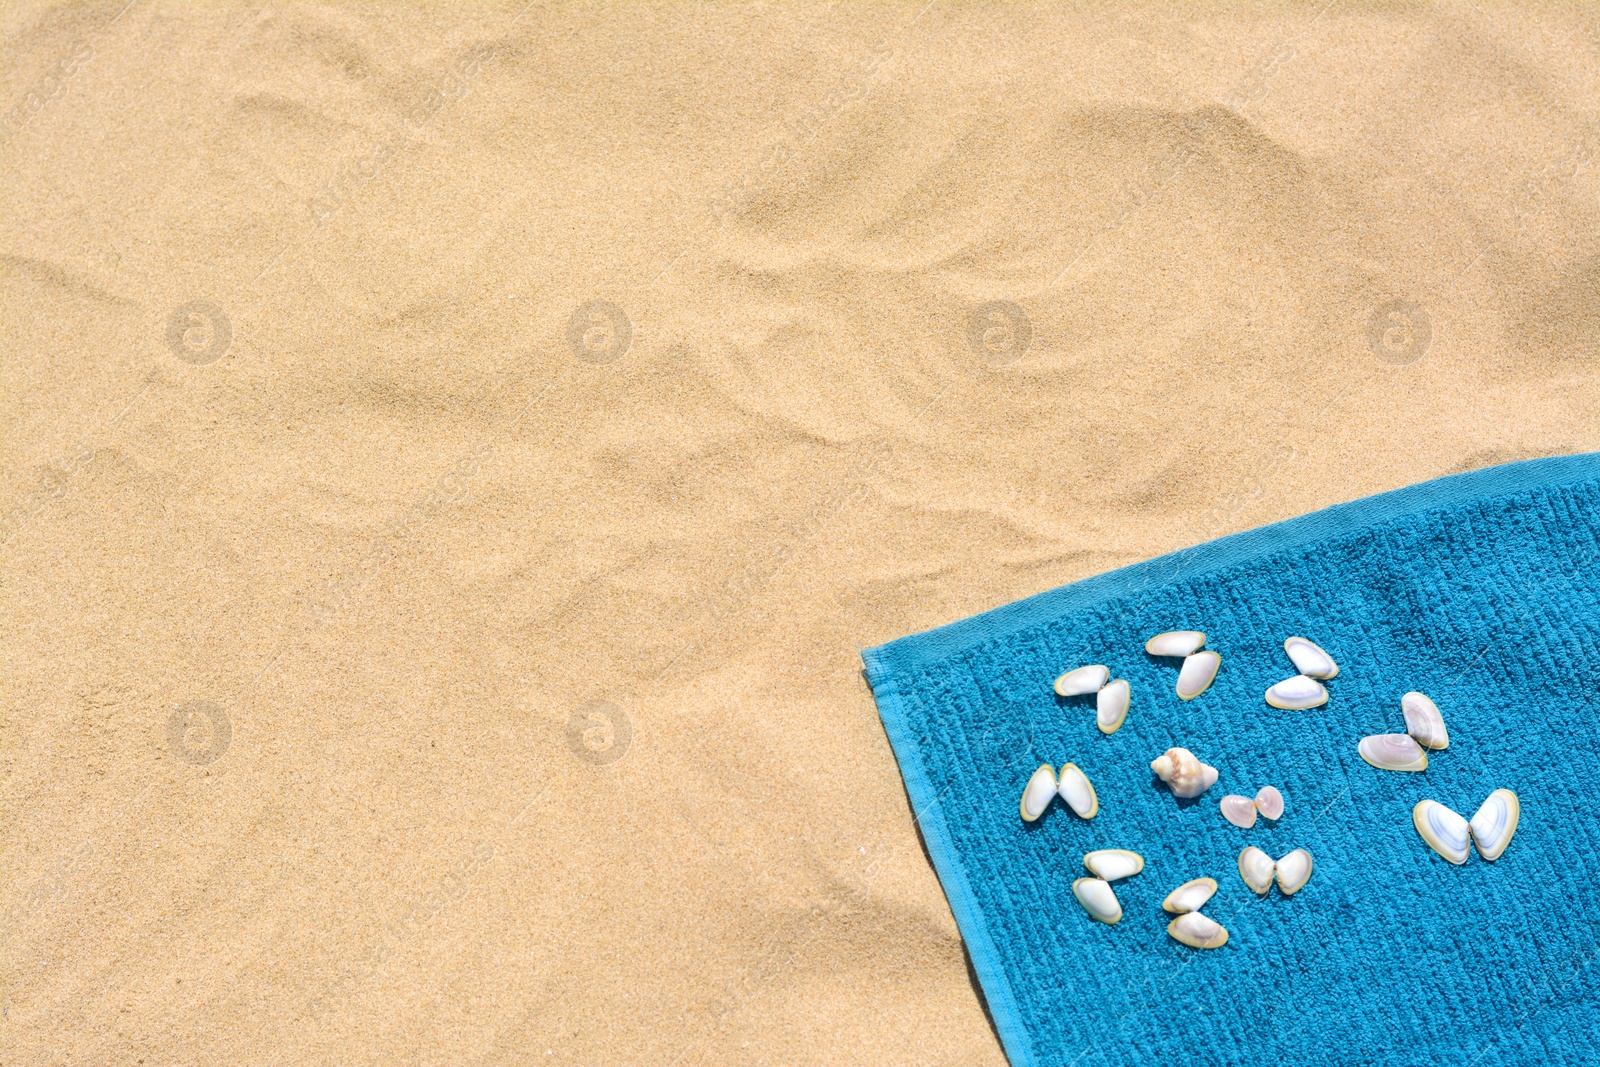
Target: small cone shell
[
  {"x": 1113, "y": 864},
  {"x": 1310, "y": 660},
  {"x": 1199, "y": 671},
  {"x": 1197, "y": 931},
  {"x": 1077, "y": 792},
  {"x": 1294, "y": 871},
  {"x": 1424, "y": 722},
  {"x": 1494, "y": 823},
  {"x": 1241, "y": 811},
  {"x": 1176, "y": 643},
  {"x": 1081, "y": 681},
  {"x": 1297, "y": 694},
  {"x": 1037, "y": 793},
  {"x": 1184, "y": 774},
  {"x": 1097, "y": 899},
  {"x": 1269, "y": 802},
  {"x": 1446, "y": 833},
  {"x": 1256, "y": 868},
  {"x": 1111, "y": 706},
  {"x": 1190, "y": 896}
]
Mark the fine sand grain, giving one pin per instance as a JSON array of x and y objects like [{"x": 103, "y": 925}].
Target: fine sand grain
[{"x": 454, "y": 454}]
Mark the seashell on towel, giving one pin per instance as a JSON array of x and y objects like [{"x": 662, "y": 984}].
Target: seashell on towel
[
  {"x": 1185, "y": 775},
  {"x": 1036, "y": 795},
  {"x": 1310, "y": 660},
  {"x": 1197, "y": 931},
  {"x": 1393, "y": 752},
  {"x": 1494, "y": 823},
  {"x": 1112, "y": 864},
  {"x": 1111, "y": 706},
  {"x": 1269, "y": 802},
  {"x": 1256, "y": 868},
  {"x": 1297, "y": 694},
  {"x": 1294, "y": 871},
  {"x": 1199, "y": 671},
  {"x": 1423, "y": 721},
  {"x": 1446, "y": 833},
  {"x": 1084, "y": 680},
  {"x": 1097, "y": 899},
  {"x": 1077, "y": 792},
  {"x": 1241, "y": 811},
  {"x": 1190, "y": 896},
  {"x": 1176, "y": 643}
]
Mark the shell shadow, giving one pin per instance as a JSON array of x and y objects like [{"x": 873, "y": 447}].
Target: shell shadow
[{"x": 1184, "y": 803}]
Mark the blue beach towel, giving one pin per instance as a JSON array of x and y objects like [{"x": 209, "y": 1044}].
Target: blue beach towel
[{"x": 1481, "y": 590}]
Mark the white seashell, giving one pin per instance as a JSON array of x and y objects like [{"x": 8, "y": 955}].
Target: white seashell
[
  {"x": 1297, "y": 694},
  {"x": 1241, "y": 811},
  {"x": 1423, "y": 721},
  {"x": 1176, "y": 643},
  {"x": 1294, "y": 871},
  {"x": 1494, "y": 823},
  {"x": 1393, "y": 752},
  {"x": 1199, "y": 671},
  {"x": 1083, "y": 680},
  {"x": 1309, "y": 659},
  {"x": 1077, "y": 792},
  {"x": 1190, "y": 896},
  {"x": 1097, "y": 899},
  {"x": 1256, "y": 868},
  {"x": 1037, "y": 793},
  {"x": 1446, "y": 833},
  {"x": 1269, "y": 802},
  {"x": 1113, "y": 863},
  {"x": 1111, "y": 706},
  {"x": 1197, "y": 931},
  {"x": 1185, "y": 775}
]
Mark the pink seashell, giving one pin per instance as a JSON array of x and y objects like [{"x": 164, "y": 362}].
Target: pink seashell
[
  {"x": 1241, "y": 811},
  {"x": 1270, "y": 803}
]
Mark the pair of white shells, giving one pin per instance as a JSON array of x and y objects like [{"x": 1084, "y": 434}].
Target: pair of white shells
[
  {"x": 1304, "y": 690},
  {"x": 1404, "y": 752},
  {"x": 1184, "y": 774},
  {"x": 1199, "y": 668},
  {"x": 1258, "y": 870},
  {"x": 1111, "y": 703},
  {"x": 1241, "y": 811},
  {"x": 1072, "y": 786},
  {"x": 1095, "y": 894},
  {"x": 1190, "y": 927},
  {"x": 1451, "y": 836}
]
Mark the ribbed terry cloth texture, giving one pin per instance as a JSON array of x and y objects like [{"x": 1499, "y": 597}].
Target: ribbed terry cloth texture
[{"x": 1481, "y": 590}]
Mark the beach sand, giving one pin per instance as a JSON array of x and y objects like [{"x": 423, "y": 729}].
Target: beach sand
[{"x": 454, "y": 455}]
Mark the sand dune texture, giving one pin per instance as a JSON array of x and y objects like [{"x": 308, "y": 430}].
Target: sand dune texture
[{"x": 454, "y": 454}]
